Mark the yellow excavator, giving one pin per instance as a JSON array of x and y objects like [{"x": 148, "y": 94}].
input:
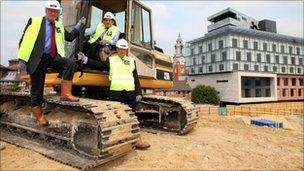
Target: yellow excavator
[{"x": 95, "y": 130}]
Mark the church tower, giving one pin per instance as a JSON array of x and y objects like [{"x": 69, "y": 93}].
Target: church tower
[{"x": 179, "y": 60}]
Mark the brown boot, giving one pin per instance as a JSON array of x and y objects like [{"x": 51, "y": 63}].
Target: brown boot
[
  {"x": 41, "y": 120},
  {"x": 142, "y": 145},
  {"x": 66, "y": 92}
]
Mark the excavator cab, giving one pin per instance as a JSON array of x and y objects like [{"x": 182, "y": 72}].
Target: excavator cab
[{"x": 134, "y": 21}]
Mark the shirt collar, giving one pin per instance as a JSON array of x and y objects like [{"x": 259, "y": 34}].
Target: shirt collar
[{"x": 48, "y": 21}]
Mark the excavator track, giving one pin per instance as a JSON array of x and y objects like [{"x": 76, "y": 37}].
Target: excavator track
[
  {"x": 167, "y": 113},
  {"x": 81, "y": 134}
]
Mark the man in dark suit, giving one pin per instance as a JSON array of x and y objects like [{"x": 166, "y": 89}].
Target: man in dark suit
[{"x": 41, "y": 47}]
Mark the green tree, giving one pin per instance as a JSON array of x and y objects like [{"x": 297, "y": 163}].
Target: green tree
[{"x": 205, "y": 94}]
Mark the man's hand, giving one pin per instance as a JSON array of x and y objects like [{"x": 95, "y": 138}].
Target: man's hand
[
  {"x": 138, "y": 98},
  {"x": 82, "y": 57},
  {"x": 82, "y": 20}
]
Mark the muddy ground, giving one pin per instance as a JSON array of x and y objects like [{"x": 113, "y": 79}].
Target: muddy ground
[{"x": 217, "y": 143}]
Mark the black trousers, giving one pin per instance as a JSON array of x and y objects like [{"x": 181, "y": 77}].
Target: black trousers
[
  {"x": 66, "y": 66},
  {"x": 126, "y": 97},
  {"x": 93, "y": 51}
]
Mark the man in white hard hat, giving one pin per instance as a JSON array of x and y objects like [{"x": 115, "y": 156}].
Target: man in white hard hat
[
  {"x": 103, "y": 38},
  {"x": 42, "y": 46},
  {"x": 125, "y": 86}
]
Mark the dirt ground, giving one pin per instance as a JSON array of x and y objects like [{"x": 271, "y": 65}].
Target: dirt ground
[{"x": 217, "y": 143}]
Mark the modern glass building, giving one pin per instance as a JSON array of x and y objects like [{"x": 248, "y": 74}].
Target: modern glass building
[{"x": 249, "y": 53}]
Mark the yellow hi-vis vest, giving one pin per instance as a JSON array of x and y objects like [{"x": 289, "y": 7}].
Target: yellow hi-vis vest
[
  {"x": 121, "y": 73},
  {"x": 31, "y": 34},
  {"x": 100, "y": 29}
]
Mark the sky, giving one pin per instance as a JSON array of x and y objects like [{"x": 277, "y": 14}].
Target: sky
[{"x": 189, "y": 18}]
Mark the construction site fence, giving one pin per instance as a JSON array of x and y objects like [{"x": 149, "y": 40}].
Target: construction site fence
[{"x": 279, "y": 108}]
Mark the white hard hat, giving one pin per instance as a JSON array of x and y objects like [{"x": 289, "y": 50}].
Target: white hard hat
[
  {"x": 53, "y": 5},
  {"x": 109, "y": 15},
  {"x": 122, "y": 44}
]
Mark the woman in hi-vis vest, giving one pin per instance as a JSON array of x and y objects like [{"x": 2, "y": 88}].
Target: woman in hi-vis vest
[{"x": 125, "y": 86}]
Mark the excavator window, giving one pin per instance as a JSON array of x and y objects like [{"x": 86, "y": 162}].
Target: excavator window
[
  {"x": 97, "y": 14},
  {"x": 141, "y": 26}
]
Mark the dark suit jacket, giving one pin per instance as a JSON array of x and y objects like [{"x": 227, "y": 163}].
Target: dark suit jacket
[{"x": 39, "y": 45}]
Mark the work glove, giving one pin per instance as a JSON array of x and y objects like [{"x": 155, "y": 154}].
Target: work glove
[
  {"x": 138, "y": 98},
  {"x": 82, "y": 21},
  {"x": 21, "y": 67},
  {"x": 82, "y": 57}
]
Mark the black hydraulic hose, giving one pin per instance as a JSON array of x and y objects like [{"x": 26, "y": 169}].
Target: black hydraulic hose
[{"x": 80, "y": 40}]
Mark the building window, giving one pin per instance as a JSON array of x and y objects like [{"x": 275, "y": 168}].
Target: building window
[
  {"x": 293, "y": 60},
  {"x": 291, "y": 70},
  {"x": 277, "y": 59},
  {"x": 221, "y": 66},
  {"x": 283, "y": 69},
  {"x": 299, "y": 70},
  {"x": 210, "y": 68},
  {"x": 210, "y": 46},
  {"x": 290, "y": 49},
  {"x": 278, "y": 81},
  {"x": 259, "y": 57},
  {"x": 249, "y": 56},
  {"x": 221, "y": 44},
  {"x": 247, "y": 92},
  {"x": 255, "y": 46},
  {"x": 200, "y": 49},
  {"x": 194, "y": 61},
  {"x": 234, "y": 42},
  {"x": 285, "y": 60},
  {"x": 265, "y": 68},
  {"x": 300, "y": 61},
  {"x": 246, "y": 67},
  {"x": 274, "y": 69},
  {"x": 258, "y": 92},
  {"x": 264, "y": 46},
  {"x": 212, "y": 57},
  {"x": 292, "y": 92},
  {"x": 224, "y": 56},
  {"x": 301, "y": 81},
  {"x": 203, "y": 59},
  {"x": 293, "y": 82},
  {"x": 282, "y": 49},
  {"x": 256, "y": 67},
  {"x": 257, "y": 82},
  {"x": 192, "y": 51},
  {"x": 298, "y": 51},
  {"x": 200, "y": 69},
  {"x": 267, "y": 92},
  {"x": 192, "y": 70},
  {"x": 235, "y": 67},
  {"x": 268, "y": 58},
  {"x": 285, "y": 81},
  {"x": 274, "y": 47},
  {"x": 267, "y": 81},
  {"x": 284, "y": 93},
  {"x": 245, "y": 44},
  {"x": 299, "y": 92},
  {"x": 247, "y": 82},
  {"x": 238, "y": 55}
]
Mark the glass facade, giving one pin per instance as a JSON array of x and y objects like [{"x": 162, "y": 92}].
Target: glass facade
[{"x": 233, "y": 52}]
